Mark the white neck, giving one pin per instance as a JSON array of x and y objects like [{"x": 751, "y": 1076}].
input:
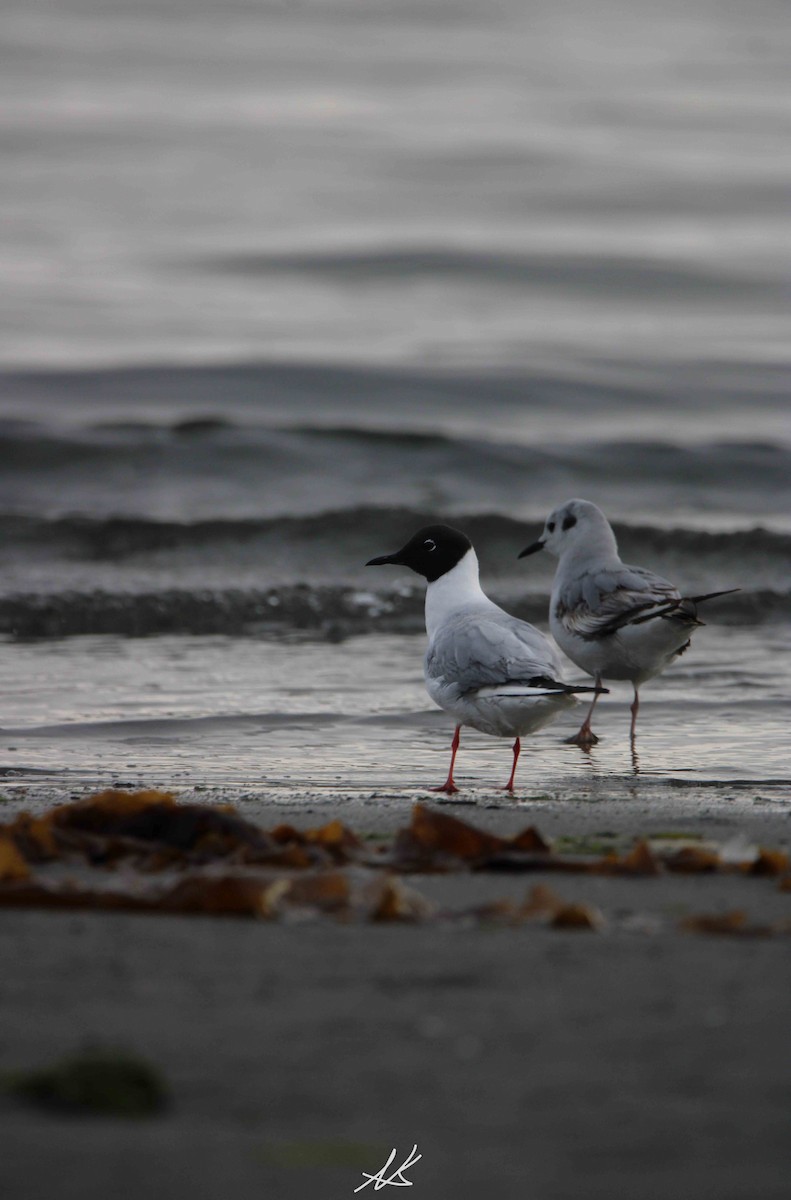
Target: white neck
[
  {"x": 457, "y": 589},
  {"x": 599, "y": 547}
]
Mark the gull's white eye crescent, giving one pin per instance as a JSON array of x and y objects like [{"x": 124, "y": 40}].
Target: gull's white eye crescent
[{"x": 430, "y": 543}]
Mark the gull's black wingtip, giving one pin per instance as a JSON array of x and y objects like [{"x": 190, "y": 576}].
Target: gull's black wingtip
[{"x": 712, "y": 595}]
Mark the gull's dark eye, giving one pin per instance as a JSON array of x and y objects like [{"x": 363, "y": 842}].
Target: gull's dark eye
[
  {"x": 551, "y": 526},
  {"x": 430, "y": 544},
  {"x": 568, "y": 522}
]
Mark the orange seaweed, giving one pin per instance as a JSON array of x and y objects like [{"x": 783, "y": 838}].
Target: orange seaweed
[
  {"x": 434, "y": 835},
  {"x": 12, "y": 864},
  {"x": 397, "y": 902},
  {"x": 769, "y": 862},
  {"x": 731, "y": 922},
  {"x": 693, "y": 859},
  {"x": 542, "y": 901},
  {"x": 640, "y": 860}
]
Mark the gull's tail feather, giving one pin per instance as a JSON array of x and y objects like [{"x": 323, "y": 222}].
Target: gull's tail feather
[
  {"x": 711, "y": 595},
  {"x": 683, "y": 609},
  {"x": 537, "y": 688}
]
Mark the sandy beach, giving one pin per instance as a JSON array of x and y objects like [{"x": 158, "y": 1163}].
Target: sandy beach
[{"x": 635, "y": 1059}]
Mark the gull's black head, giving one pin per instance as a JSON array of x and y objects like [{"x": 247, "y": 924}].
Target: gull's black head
[{"x": 432, "y": 552}]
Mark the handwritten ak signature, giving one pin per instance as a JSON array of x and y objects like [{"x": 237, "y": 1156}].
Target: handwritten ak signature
[{"x": 381, "y": 1178}]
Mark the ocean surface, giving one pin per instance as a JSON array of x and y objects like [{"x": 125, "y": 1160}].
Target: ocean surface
[{"x": 281, "y": 283}]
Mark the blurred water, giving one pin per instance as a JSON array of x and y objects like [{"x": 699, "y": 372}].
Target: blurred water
[{"x": 600, "y": 190}]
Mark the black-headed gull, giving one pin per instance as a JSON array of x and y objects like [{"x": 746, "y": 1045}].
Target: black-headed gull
[{"x": 483, "y": 666}]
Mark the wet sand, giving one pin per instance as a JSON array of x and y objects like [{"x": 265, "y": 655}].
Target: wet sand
[{"x": 522, "y": 1061}]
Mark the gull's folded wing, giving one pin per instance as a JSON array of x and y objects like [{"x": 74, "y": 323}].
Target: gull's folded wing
[
  {"x": 476, "y": 651},
  {"x": 599, "y": 603}
]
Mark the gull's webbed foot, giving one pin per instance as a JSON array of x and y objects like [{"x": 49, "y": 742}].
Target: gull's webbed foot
[{"x": 584, "y": 738}]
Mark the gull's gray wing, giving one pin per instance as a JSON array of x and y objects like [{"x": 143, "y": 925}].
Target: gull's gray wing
[
  {"x": 480, "y": 650},
  {"x": 597, "y": 604}
]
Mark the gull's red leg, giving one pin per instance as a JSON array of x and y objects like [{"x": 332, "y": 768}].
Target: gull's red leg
[
  {"x": 585, "y": 736},
  {"x": 449, "y": 787},
  {"x": 635, "y": 710},
  {"x": 517, "y": 748}
]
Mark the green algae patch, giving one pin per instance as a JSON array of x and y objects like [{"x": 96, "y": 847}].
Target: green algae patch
[
  {"x": 98, "y": 1082},
  {"x": 590, "y": 844},
  {"x": 675, "y": 835}
]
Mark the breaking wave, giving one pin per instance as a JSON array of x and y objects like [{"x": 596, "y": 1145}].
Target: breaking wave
[{"x": 349, "y": 531}]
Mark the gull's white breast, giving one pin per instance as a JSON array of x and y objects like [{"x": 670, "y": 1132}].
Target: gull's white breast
[{"x": 480, "y": 659}]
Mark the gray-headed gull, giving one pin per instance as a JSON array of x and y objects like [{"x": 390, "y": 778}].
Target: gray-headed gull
[{"x": 612, "y": 620}]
